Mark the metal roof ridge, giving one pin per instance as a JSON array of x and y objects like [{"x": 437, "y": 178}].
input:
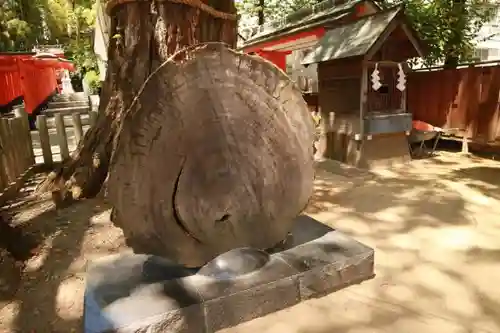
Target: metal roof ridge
[
  {"x": 306, "y": 19},
  {"x": 317, "y": 55},
  {"x": 396, "y": 8}
]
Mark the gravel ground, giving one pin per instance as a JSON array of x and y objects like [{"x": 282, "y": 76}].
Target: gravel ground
[{"x": 433, "y": 202}]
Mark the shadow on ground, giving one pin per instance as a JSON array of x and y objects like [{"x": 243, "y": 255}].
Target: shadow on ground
[
  {"x": 49, "y": 298},
  {"x": 435, "y": 230},
  {"x": 485, "y": 179},
  {"x": 434, "y": 226}
]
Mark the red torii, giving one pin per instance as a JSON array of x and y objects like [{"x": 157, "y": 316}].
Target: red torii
[{"x": 29, "y": 76}]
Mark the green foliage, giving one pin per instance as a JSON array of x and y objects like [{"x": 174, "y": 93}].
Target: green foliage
[
  {"x": 94, "y": 82},
  {"x": 273, "y": 9},
  {"x": 81, "y": 53},
  {"x": 24, "y": 23},
  {"x": 27, "y": 23},
  {"x": 15, "y": 32},
  {"x": 448, "y": 27}
]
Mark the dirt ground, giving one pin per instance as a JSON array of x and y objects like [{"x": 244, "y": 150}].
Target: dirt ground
[{"x": 435, "y": 227}]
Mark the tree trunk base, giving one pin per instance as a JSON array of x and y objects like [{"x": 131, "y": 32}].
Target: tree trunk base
[
  {"x": 144, "y": 35},
  {"x": 205, "y": 149},
  {"x": 216, "y": 154}
]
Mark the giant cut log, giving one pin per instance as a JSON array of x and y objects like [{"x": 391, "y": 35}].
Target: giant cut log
[
  {"x": 215, "y": 154},
  {"x": 204, "y": 149}
]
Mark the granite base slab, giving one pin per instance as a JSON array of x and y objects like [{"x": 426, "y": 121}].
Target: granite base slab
[{"x": 141, "y": 293}]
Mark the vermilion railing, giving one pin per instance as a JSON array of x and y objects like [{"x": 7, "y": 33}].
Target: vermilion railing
[{"x": 32, "y": 78}]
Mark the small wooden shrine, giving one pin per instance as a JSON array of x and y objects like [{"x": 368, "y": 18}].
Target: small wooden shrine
[{"x": 362, "y": 88}]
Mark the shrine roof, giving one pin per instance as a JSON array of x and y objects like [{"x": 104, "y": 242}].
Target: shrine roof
[
  {"x": 352, "y": 39},
  {"x": 322, "y": 13}
]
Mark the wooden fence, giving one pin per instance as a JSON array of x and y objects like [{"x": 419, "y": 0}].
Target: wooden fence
[
  {"x": 464, "y": 99},
  {"x": 60, "y": 124},
  {"x": 16, "y": 150},
  {"x": 17, "y": 155}
]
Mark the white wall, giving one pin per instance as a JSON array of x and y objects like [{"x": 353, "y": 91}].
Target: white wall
[
  {"x": 488, "y": 39},
  {"x": 295, "y": 68}
]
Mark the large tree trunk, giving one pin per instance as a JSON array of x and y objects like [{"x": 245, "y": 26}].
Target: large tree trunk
[
  {"x": 143, "y": 35},
  {"x": 454, "y": 47},
  {"x": 207, "y": 150},
  {"x": 260, "y": 12}
]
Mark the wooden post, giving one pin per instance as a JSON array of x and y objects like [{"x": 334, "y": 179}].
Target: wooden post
[
  {"x": 16, "y": 151},
  {"x": 4, "y": 178},
  {"x": 363, "y": 98},
  {"x": 77, "y": 127},
  {"x": 93, "y": 118},
  {"x": 465, "y": 144},
  {"x": 7, "y": 147},
  {"x": 20, "y": 113},
  {"x": 331, "y": 121},
  {"x": 62, "y": 138},
  {"x": 19, "y": 134},
  {"x": 403, "y": 98},
  {"x": 22, "y": 145},
  {"x": 43, "y": 132},
  {"x": 363, "y": 101}
]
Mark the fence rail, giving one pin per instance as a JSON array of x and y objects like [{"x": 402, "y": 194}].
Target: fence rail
[
  {"x": 53, "y": 134},
  {"x": 21, "y": 150}
]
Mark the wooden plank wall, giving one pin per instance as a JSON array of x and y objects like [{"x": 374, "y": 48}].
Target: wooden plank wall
[
  {"x": 466, "y": 99},
  {"x": 16, "y": 150}
]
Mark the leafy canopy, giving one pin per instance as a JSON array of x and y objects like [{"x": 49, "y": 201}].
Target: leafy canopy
[
  {"x": 447, "y": 26},
  {"x": 28, "y": 23},
  {"x": 273, "y": 9}
]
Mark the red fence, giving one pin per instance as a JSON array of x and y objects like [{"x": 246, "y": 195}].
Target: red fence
[
  {"x": 10, "y": 86},
  {"x": 465, "y": 98},
  {"x": 29, "y": 77}
]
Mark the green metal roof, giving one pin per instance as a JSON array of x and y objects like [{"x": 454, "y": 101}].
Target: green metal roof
[{"x": 353, "y": 39}]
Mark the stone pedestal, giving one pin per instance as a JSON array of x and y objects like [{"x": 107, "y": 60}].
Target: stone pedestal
[{"x": 140, "y": 293}]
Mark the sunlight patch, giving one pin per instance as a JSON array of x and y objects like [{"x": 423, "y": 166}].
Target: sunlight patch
[
  {"x": 8, "y": 315},
  {"x": 68, "y": 306},
  {"x": 467, "y": 193},
  {"x": 36, "y": 262}
]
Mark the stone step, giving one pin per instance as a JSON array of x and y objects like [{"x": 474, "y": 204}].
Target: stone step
[
  {"x": 70, "y": 97},
  {"x": 53, "y": 105},
  {"x": 67, "y": 110},
  {"x": 68, "y": 122},
  {"x": 70, "y": 100}
]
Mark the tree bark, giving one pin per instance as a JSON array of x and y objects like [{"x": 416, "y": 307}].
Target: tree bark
[
  {"x": 206, "y": 152},
  {"x": 260, "y": 12},
  {"x": 215, "y": 155},
  {"x": 142, "y": 36}
]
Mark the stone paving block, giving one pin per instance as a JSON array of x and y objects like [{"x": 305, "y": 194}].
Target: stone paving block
[
  {"x": 233, "y": 309},
  {"x": 330, "y": 263},
  {"x": 140, "y": 293}
]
